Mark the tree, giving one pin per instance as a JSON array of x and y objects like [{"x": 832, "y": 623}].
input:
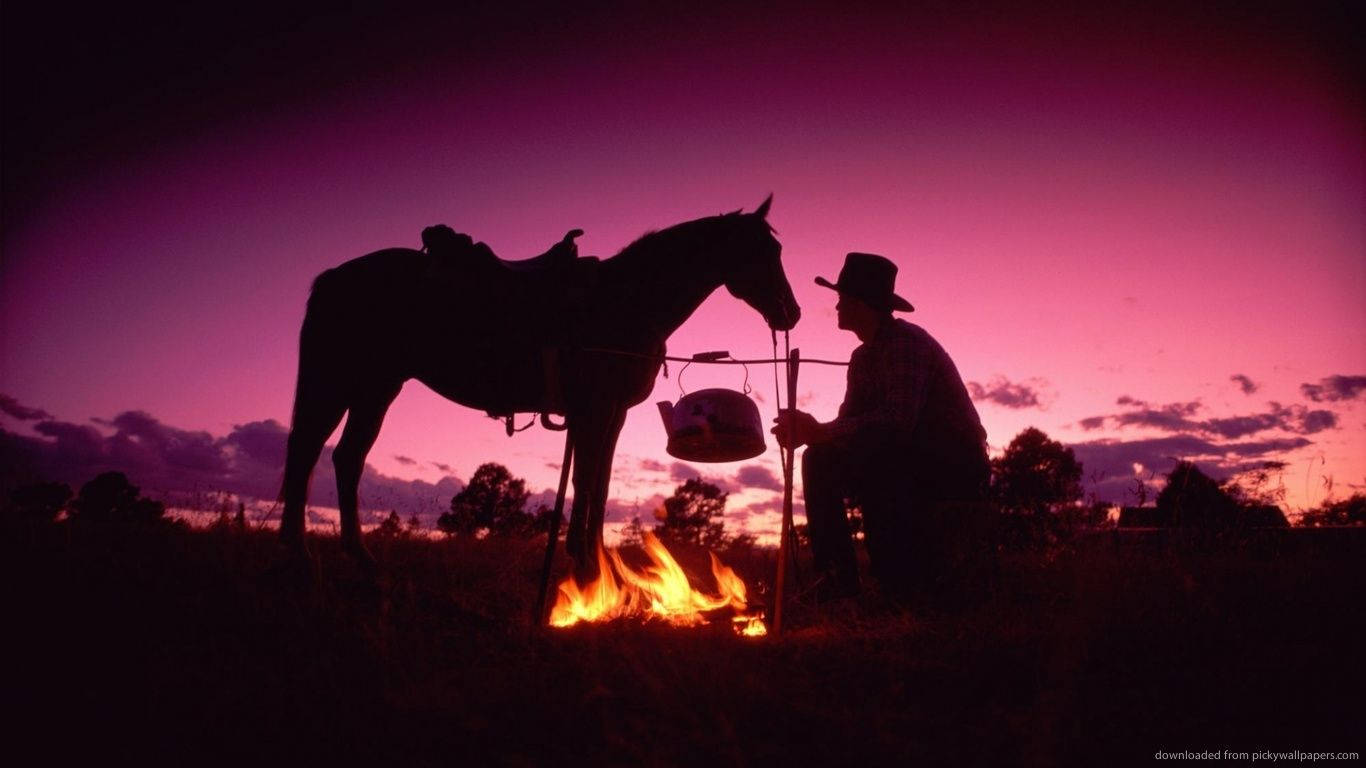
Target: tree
[
  {"x": 1036, "y": 483},
  {"x": 1348, "y": 511},
  {"x": 110, "y": 498},
  {"x": 633, "y": 533},
  {"x": 693, "y": 515},
  {"x": 1262, "y": 485},
  {"x": 493, "y": 502},
  {"x": 391, "y": 527},
  {"x": 1035, "y": 475},
  {"x": 40, "y": 502},
  {"x": 1192, "y": 498}
]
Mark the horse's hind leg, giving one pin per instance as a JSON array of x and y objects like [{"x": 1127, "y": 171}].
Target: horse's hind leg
[
  {"x": 362, "y": 427},
  {"x": 315, "y": 416}
]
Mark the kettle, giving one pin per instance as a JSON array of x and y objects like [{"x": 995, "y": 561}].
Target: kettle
[{"x": 713, "y": 426}]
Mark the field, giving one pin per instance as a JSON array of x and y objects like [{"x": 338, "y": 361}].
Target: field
[{"x": 171, "y": 644}]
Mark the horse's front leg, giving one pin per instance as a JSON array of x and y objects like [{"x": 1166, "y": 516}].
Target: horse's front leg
[
  {"x": 576, "y": 539},
  {"x": 595, "y": 441}
]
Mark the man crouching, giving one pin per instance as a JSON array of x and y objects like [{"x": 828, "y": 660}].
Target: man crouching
[{"x": 907, "y": 447}]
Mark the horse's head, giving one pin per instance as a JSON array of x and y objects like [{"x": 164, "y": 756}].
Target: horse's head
[{"x": 754, "y": 270}]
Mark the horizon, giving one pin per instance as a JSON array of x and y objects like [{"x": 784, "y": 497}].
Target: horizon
[{"x": 1139, "y": 230}]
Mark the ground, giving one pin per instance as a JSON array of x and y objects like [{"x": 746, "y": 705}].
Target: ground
[{"x": 173, "y": 644}]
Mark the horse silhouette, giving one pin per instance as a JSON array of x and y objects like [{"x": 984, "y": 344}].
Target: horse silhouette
[{"x": 578, "y": 338}]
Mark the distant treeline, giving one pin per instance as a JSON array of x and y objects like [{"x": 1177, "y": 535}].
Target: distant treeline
[{"x": 1035, "y": 495}]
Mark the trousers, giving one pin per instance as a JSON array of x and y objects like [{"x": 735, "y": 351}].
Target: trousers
[{"x": 906, "y": 497}]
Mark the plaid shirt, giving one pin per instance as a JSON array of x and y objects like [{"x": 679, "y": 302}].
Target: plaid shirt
[{"x": 903, "y": 381}]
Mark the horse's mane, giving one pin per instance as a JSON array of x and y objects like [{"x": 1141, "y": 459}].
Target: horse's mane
[{"x": 648, "y": 243}]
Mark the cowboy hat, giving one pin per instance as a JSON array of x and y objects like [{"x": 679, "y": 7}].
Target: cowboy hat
[{"x": 870, "y": 278}]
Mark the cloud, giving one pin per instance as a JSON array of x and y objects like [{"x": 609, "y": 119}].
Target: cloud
[
  {"x": 1244, "y": 383},
  {"x": 443, "y": 467},
  {"x": 1180, "y": 418},
  {"x": 619, "y": 511},
  {"x": 650, "y": 465},
  {"x": 1172, "y": 417},
  {"x": 262, "y": 441},
  {"x": 615, "y": 511},
  {"x": 1335, "y": 388},
  {"x": 404, "y": 460},
  {"x": 758, "y": 476},
  {"x": 1005, "y": 393},
  {"x": 11, "y": 407},
  {"x": 184, "y": 466},
  {"x": 142, "y": 440},
  {"x": 1108, "y": 466},
  {"x": 682, "y": 472},
  {"x": 1294, "y": 418}
]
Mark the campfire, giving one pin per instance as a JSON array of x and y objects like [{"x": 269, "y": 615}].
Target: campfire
[{"x": 660, "y": 590}]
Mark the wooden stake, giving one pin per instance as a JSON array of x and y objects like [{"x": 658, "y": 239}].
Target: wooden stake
[
  {"x": 785, "y": 537},
  {"x": 539, "y": 618}
]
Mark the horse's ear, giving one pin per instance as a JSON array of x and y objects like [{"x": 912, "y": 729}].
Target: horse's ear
[{"x": 762, "y": 210}]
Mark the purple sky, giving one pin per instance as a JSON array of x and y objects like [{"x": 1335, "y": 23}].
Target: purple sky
[{"x": 1139, "y": 229}]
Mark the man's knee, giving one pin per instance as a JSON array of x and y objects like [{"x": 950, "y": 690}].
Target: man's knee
[{"x": 820, "y": 463}]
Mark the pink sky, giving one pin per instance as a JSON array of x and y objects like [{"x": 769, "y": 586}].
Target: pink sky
[{"x": 1089, "y": 208}]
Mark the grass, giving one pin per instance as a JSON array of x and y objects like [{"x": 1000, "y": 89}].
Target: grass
[{"x": 171, "y": 644}]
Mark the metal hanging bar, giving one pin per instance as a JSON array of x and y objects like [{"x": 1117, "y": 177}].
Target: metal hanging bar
[
  {"x": 785, "y": 536},
  {"x": 540, "y": 617}
]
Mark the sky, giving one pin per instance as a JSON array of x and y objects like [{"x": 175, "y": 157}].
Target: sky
[{"x": 1140, "y": 229}]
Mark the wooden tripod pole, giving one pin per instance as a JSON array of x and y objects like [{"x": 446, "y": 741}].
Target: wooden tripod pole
[
  {"x": 785, "y": 537},
  {"x": 540, "y": 617}
]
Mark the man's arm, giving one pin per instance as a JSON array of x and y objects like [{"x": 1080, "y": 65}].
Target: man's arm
[
  {"x": 795, "y": 428},
  {"x": 888, "y": 387}
]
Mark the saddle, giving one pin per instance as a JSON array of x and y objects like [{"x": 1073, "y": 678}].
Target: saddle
[
  {"x": 541, "y": 299},
  {"x": 558, "y": 279},
  {"x": 561, "y": 256}
]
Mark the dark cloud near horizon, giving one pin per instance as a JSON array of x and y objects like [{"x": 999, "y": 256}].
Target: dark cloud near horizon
[
  {"x": 619, "y": 511},
  {"x": 1335, "y": 388},
  {"x": 1108, "y": 465},
  {"x": 1244, "y": 383},
  {"x": 651, "y": 465},
  {"x": 758, "y": 476},
  {"x": 11, "y": 407},
  {"x": 404, "y": 460},
  {"x": 183, "y": 466},
  {"x": 681, "y": 472},
  {"x": 1005, "y": 393},
  {"x": 1179, "y": 418}
]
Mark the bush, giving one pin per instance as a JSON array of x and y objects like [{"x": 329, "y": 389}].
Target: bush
[
  {"x": 38, "y": 503},
  {"x": 110, "y": 499}
]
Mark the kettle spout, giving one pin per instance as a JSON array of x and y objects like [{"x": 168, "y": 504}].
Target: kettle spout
[{"x": 666, "y": 412}]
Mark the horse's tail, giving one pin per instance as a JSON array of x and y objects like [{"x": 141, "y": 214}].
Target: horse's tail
[{"x": 317, "y": 373}]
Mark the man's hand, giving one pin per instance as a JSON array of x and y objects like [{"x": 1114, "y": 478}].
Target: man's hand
[{"x": 796, "y": 428}]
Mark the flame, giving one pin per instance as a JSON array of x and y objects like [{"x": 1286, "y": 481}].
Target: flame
[{"x": 659, "y": 590}]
